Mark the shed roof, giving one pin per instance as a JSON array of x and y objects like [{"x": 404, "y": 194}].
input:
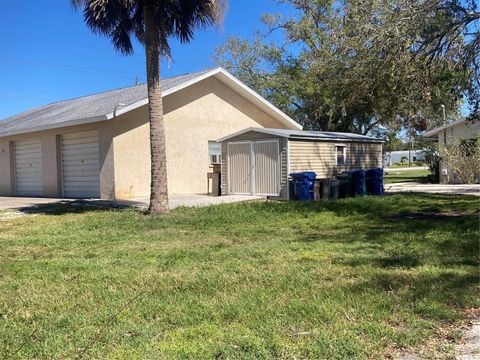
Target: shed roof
[
  {"x": 106, "y": 105},
  {"x": 306, "y": 135}
]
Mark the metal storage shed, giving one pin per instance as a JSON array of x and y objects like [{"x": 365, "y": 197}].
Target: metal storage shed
[{"x": 257, "y": 161}]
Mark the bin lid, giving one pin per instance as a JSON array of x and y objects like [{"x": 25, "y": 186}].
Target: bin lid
[{"x": 305, "y": 174}]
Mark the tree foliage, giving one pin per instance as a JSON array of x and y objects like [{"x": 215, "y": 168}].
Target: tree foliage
[
  {"x": 153, "y": 23},
  {"x": 360, "y": 65}
]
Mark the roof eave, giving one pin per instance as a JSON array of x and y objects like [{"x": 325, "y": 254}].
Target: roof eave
[
  {"x": 293, "y": 137},
  {"x": 56, "y": 126}
]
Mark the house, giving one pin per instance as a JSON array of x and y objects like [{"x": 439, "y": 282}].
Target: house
[
  {"x": 395, "y": 157},
  {"x": 259, "y": 160},
  {"x": 467, "y": 128},
  {"x": 98, "y": 145}
]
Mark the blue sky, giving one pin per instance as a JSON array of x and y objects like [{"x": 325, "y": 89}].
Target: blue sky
[{"x": 48, "y": 54}]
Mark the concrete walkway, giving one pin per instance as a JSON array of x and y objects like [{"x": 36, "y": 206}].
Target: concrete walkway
[
  {"x": 194, "y": 200},
  {"x": 457, "y": 189}
]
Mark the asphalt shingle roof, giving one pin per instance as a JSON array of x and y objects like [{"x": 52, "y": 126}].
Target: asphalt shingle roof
[{"x": 86, "y": 107}]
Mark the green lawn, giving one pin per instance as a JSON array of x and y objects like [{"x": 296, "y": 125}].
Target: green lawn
[
  {"x": 395, "y": 176},
  {"x": 358, "y": 278}
]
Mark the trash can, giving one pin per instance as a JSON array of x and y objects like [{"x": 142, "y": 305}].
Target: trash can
[
  {"x": 374, "y": 180},
  {"x": 329, "y": 189},
  {"x": 303, "y": 184},
  {"x": 358, "y": 183},
  {"x": 345, "y": 185}
]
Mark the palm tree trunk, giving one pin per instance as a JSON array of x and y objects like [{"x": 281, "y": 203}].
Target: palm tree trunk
[{"x": 158, "y": 185}]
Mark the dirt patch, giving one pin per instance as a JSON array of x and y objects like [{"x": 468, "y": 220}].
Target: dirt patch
[
  {"x": 10, "y": 215},
  {"x": 466, "y": 347},
  {"x": 469, "y": 346},
  {"x": 429, "y": 215}
]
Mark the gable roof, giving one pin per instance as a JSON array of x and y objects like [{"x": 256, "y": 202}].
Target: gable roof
[
  {"x": 107, "y": 105},
  {"x": 305, "y": 135},
  {"x": 473, "y": 117}
]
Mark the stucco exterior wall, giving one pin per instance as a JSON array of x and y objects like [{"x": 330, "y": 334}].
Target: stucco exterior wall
[
  {"x": 205, "y": 111},
  {"x": 51, "y": 159}
]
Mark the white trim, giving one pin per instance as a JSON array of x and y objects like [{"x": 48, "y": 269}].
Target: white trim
[
  {"x": 344, "y": 154},
  {"x": 444, "y": 127},
  {"x": 220, "y": 73},
  {"x": 229, "y": 80},
  {"x": 294, "y": 137},
  {"x": 271, "y": 109},
  {"x": 278, "y": 173},
  {"x": 288, "y": 170},
  {"x": 82, "y": 121}
]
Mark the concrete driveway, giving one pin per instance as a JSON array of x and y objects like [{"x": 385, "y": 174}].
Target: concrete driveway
[
  {"x": 7, "y": 203},
  {"x": 457, "y": 189}
]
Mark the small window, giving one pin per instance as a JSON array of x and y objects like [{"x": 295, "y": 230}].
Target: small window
[
  {"x": 215, "y": 152},
  {"x": 340, "y": 154}
]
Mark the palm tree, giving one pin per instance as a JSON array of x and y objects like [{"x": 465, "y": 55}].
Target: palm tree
[{"x": 153, "y": 23}]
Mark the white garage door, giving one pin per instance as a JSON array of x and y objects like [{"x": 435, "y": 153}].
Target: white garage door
[
  {"x": 254, "y": 168},
  {"x": 81, "y": 165},
  {"x": 28, "y": 168}
]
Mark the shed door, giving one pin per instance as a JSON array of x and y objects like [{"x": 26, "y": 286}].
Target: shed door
[
  {"x": 28, "y": 168},
  {"x": 81, "y": 165},
  {"x": 240, "y": 168},
  {"x": 254, "y": 168},
  {"x": 267, "y": 167}
]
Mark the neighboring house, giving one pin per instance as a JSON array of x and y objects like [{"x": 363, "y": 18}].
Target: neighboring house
[
  {"x": 463, "y": 128},
  {"x": 98, "y": 145},
  {"x": 259, "y": 161},
  {"x": 395, "y": 157}
]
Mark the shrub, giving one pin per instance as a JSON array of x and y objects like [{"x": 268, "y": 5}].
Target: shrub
[{"x": 462, "y": 158}]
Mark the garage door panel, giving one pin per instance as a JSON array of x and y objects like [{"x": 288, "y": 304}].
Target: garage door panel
[
  {"x": 28, "y": 167},
  {"x": 81, "y": 156},
  {"x": 93, "y": 172},
  {"x": 86, "y": 141},
  {"x": 27, "y": 152},
  {"x": 83, "y": 146},
  {"x": 81, "y": 164}
]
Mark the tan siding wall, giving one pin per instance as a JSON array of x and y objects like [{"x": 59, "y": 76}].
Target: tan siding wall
[{"x": 320, "y": 157}]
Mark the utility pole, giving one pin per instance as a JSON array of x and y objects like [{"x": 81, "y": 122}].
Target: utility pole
[{"x": 444, "y": 115}]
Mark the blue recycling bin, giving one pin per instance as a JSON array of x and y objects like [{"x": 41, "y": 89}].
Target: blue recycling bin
[
  {"x": 374, "y": 180},
  {"x": 303, "y": 185}
]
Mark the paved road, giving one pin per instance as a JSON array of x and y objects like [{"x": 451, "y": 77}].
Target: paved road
[{"x": 458, "y": 189}]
